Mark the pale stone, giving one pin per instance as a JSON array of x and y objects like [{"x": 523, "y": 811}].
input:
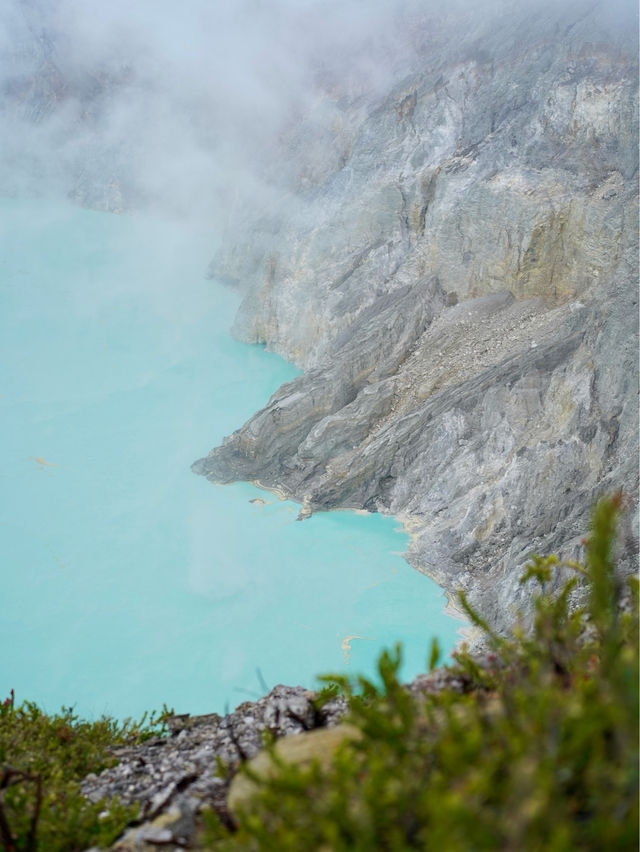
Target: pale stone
[{"x": 300, "y": 750}]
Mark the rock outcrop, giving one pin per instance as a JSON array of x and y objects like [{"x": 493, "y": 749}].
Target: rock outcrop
[
  {"x": 174, "y": 778},
  {"x": 460, "y": 287}
]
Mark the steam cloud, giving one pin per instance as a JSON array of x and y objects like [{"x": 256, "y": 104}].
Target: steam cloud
[
  {"x": 176, "y": 106},
  {"x": 183, "y": 106}
]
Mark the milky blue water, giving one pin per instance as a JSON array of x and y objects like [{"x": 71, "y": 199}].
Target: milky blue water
[{"x": 125, "y": 580}]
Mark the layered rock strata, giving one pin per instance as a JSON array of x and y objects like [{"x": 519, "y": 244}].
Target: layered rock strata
[{"x": 461, "y": 291}]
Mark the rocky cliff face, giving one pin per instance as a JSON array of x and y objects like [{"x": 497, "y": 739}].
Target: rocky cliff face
[{"x": 456, "y": 271}]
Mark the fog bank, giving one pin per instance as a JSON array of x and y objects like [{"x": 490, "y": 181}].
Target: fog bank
[{"x": 198, "y": 108}]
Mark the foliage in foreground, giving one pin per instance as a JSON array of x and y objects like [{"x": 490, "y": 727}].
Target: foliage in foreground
[
  {"x": 42, "y": 762},
  {"x": 541, "y": 753}
]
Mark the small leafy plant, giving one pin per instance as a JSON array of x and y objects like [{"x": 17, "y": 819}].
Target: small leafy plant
[
  {"x": 42, "y": 762},
  {"x": 539, "y": 753}
]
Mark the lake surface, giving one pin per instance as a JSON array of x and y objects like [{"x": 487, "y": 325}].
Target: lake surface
[{"x": 125, "y": 580}]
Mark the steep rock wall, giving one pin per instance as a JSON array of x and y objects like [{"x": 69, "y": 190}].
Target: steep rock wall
[{"x": 460, "y": 286}]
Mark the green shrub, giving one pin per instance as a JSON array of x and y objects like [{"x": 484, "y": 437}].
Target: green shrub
[
  {"x": 540, "y": 754},
  {"x": 42, "y": 762}
]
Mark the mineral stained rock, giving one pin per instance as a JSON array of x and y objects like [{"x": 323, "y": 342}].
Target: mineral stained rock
[{"x": 460, "y": 287}]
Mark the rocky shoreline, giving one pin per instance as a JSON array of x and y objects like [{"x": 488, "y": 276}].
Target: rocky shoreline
[
  {"x": 450, "y": 254},
  {"x": 455, "y": 267},
  {"x": 461, "y": 289}
]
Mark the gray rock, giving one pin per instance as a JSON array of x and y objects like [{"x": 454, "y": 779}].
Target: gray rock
[
  {"x": 462, "y": 294},
  {"x": 162, "y": 773},
  {"x": 174, "y": 778}
]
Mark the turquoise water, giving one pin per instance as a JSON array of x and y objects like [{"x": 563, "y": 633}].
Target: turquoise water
[{"x": 126, "y": 581}]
